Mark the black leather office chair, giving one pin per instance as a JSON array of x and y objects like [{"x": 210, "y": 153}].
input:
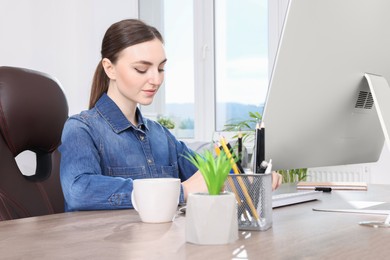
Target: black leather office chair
[{"x": 33, "y": 110}]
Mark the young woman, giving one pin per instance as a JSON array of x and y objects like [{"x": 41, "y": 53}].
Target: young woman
[{"x": 104, "y": 148}]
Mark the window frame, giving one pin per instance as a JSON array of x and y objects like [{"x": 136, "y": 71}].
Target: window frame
[{"x": 151, "y": 11}]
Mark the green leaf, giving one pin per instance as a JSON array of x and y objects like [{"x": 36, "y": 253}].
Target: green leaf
[
  {"x": 293, "y": 175},
  {"x": 214, "y": 169}
]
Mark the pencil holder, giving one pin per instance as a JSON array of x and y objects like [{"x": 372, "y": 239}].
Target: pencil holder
[{"x": 253, "y": 193}]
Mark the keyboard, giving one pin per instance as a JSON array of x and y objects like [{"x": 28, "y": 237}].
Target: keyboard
[{"x": 284, "y": 199}]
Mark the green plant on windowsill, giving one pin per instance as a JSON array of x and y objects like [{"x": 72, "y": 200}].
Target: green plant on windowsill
[
  {"x": 294, "y": 175},
  {"x": 167, "y": 122},
  {"x": 247, "y": 127},
  {"x": 214, "y": 169}
]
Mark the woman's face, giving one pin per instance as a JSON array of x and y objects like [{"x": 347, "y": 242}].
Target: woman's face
[{"x": 138, "y": 73}]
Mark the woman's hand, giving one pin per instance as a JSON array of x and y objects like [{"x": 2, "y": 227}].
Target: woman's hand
[
  {"x": 194, "y": 184},
  {"x": 276, "y": 180}
]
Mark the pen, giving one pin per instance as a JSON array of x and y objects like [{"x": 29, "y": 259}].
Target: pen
[
  {"x": 260, "y": 147},
  {"x": 254, "y": 155},
  {"x": 239, "y": 148},
  {"x": 324, "y": 189},
  {"x": 239, "y": 166}
]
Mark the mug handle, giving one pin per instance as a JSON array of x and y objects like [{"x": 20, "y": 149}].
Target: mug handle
[{"x": 133, "y": 200}]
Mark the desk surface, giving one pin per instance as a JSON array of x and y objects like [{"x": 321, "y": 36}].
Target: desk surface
[{"x": 298, "y": 232}]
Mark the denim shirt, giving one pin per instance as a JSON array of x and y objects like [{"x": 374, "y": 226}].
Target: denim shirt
[{"x": 102, "y": 153}]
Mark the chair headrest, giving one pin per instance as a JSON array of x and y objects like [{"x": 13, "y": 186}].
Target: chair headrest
[{"x": 33, "y": 110}]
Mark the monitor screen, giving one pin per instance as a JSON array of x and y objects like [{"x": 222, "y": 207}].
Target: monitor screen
[{"x": 319, "y": 109}]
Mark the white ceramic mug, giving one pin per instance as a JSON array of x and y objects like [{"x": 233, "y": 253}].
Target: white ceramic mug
[{"x": 156, "y": 199}]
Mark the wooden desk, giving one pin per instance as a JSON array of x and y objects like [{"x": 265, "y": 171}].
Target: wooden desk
[{"x": 297, "y": 233}]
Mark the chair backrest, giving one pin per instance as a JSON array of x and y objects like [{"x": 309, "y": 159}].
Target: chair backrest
[{"x": 33, "y": 110}]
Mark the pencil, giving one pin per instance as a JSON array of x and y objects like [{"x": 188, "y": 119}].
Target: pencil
[
  {"x": 239, "y": 166},
  {"x": 231, "y": 183},
  {"x": 229, "y": 155},
  {"x": 240, "y": 182}
]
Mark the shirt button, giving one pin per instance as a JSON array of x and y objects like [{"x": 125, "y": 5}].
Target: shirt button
[
  {"x": 149, "y": 161},
  {"x": 141, "y": 137}
]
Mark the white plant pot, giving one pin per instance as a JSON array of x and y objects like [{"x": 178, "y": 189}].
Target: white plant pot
[{"x": 211, "y": 219}]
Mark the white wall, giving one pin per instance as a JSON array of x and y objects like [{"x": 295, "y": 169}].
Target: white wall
[{"x": 61, "y": 38}]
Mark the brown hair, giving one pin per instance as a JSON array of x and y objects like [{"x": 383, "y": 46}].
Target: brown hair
[{"x": 119, "y": 36}]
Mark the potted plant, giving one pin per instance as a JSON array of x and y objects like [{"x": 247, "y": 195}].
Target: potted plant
[
  {"x": 211, "y": 218},
  {"x": 167, "y": 122}
]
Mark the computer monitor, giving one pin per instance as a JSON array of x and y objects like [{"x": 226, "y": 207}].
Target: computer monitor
[{"x": 320, "y": 109}]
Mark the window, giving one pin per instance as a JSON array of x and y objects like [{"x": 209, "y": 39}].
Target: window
[
  {"x": 241, "y": 58},
  {"x": 217, "y": 68},
  {"x": 179, "y": 72}
]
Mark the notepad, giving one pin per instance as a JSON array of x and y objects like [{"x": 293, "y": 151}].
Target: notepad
[{"x": 306, "y": 185}]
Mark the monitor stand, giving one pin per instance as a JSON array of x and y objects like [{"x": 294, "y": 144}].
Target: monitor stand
[{"x": 380, "y": 91}]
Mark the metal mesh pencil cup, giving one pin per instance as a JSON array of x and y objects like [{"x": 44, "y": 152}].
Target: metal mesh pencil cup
[{"x": 253, "y": 193}]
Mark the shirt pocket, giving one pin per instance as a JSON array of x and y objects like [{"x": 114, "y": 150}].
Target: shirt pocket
[
  {"x": 171, "y": 171},
  {"x": 127, "y": 172}
]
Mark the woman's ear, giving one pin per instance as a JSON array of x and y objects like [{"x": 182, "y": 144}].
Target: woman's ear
[{"x": 108, "y": 68}]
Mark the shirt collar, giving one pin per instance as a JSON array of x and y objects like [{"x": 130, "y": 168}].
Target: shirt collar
[{"x": 107, "y": 108}]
